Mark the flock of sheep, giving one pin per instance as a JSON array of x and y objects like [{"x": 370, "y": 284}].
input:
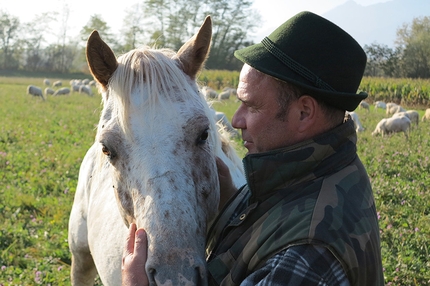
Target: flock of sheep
[
  {"x": 76, "y": 85},
  {"x": 400, "y": 120},
  {"x": 210, "y": 93}
]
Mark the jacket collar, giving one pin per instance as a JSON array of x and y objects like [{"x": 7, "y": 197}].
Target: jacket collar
[{"x": 305, "y": 161}]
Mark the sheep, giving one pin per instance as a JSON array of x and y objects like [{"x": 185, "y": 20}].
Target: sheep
[
  {"x": 57, "y": 83},
  {"x": 62, "y": 91},
  {"x": 86, "y": 81},
  {"x": 426, "y": 115},
  {"x": 92, "y": 83},
  {"x": 394, "y": 108},
  {"x": 380, "y": 104},
  {"x": 49, "y": 91},
  {"x": 389, "y": 104},
  {"x": 392, "y": 125},
  {"x": 364, "y": 105},
  {"x": 46, "y": 82},
  {"x": 75, "y": 82},
  {"x": 35, "y": 91},
  {"x": 85, "y": 89},
  {"x": 357, "y": 123},
  {"x": 226, "y": 93},
  {"x": 413, "y": 115},
  {"x": 209, "y": 93},
  {"x": 75, "y": 87}
]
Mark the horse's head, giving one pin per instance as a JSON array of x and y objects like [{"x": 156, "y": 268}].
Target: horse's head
[{"x": 158, "y": 140}]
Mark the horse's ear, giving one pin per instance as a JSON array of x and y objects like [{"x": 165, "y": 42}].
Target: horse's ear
[
  {"x": 194, "y": 52},
  {"x": 101, "y": 59}
]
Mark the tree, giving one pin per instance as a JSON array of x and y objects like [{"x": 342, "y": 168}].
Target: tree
[
  {"x": 379, "y": 60},
  {"x": 233, "y": 21},
  {"x": 59, "y": 58},
  {"x": 35, "y": 41},
  {"x": 174, "y": 22},
  {"x": 414, "y": 43},
  {"x": 96, "y": 23},
  {"x": 132, "y": 31},
  {"x": 156, "y": 21},
  {"x": 9, "y": 27}
]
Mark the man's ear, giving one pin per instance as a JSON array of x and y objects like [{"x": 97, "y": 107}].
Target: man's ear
[{"x": 309, "y": 114}]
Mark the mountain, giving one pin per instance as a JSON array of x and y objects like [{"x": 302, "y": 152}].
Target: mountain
[{"x": 377, "y": 23}]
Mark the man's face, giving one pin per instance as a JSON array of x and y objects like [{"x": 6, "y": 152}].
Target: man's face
[{"x": 256, "y": 116}]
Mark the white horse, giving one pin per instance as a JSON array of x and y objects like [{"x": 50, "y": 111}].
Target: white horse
[{"x": 152, "y": 163}]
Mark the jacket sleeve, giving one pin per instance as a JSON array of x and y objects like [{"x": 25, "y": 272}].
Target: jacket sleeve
[{"x": 300, "y": 265}]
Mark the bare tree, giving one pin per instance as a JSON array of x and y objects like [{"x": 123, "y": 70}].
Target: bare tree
[
  {"x": 132, "y": 30},
  {"x": 9, "y": 26},
  {"x": 35, "y": 40}
]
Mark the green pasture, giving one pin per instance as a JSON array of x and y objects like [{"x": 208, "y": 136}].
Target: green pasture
[{"x": 42, "y": 144}]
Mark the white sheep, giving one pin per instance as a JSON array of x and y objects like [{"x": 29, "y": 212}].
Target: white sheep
[
  {"x": 46, "y": 82},
  {"x": 363, "y": 104},
  {"x": 209, "y": 93},
  {"x": 413, "y": 115},
  {"x": 226, "y": 93},
  {"x": 75, "y": 87},
  {"x": 85, "y": 89},
  {"x": 75, "y": 81},
  {"x": 35, "y": 91},
  {"x": 389, "y": 104},
  {"x": 380, "y": 104},
  {"x": 394, "y": 108},
  {"x": 49, "y": 91},
  {"x": 57, "y": 83},
  {"x": 62, "y": 91},
  {"x": 357, "y": 123},
  {"x": 392, "y": 125},
  {"x": 426, "y": 115}
]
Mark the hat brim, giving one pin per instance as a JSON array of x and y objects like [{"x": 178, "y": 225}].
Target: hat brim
[{"x": 257, "y": 57}]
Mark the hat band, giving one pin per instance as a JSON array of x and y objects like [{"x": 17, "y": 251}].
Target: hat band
[{"x": 295, "y": 66}]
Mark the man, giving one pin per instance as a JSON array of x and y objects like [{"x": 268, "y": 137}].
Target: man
[{"x": 307, "y": 214}]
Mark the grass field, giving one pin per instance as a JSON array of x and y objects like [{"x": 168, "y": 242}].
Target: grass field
[{"x": 42, "y": 144}]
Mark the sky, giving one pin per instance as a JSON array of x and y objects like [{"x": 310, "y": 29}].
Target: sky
[{"x": 273, "y": 12}]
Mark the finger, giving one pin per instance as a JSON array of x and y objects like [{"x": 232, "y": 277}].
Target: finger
[
  {"x": 140, "y": 255},
  {"x": 141, "y": 243},
  {"x": 130, "y": 240}
]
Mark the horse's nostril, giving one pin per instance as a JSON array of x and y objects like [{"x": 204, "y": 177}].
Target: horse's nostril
[
  {"x": 200, "y": 276},
  {"x": 151, "y": 276},
  {"x": 163, "y": 277}
]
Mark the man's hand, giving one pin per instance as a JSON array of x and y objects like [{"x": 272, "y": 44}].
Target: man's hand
[{"x": 134, "y": 258}]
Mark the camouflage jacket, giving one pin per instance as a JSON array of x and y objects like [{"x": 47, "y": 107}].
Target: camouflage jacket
[{"x": 315, "y": 192}]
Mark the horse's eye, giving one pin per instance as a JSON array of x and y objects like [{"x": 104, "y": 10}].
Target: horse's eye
[{"x": 203, "y": 137}]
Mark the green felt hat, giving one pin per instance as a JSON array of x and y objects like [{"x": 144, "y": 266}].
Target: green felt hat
[{"x": 315, "y": 54}]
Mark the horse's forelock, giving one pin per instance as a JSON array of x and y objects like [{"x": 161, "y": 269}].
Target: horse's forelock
[{"x": 159, "y": 75}]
